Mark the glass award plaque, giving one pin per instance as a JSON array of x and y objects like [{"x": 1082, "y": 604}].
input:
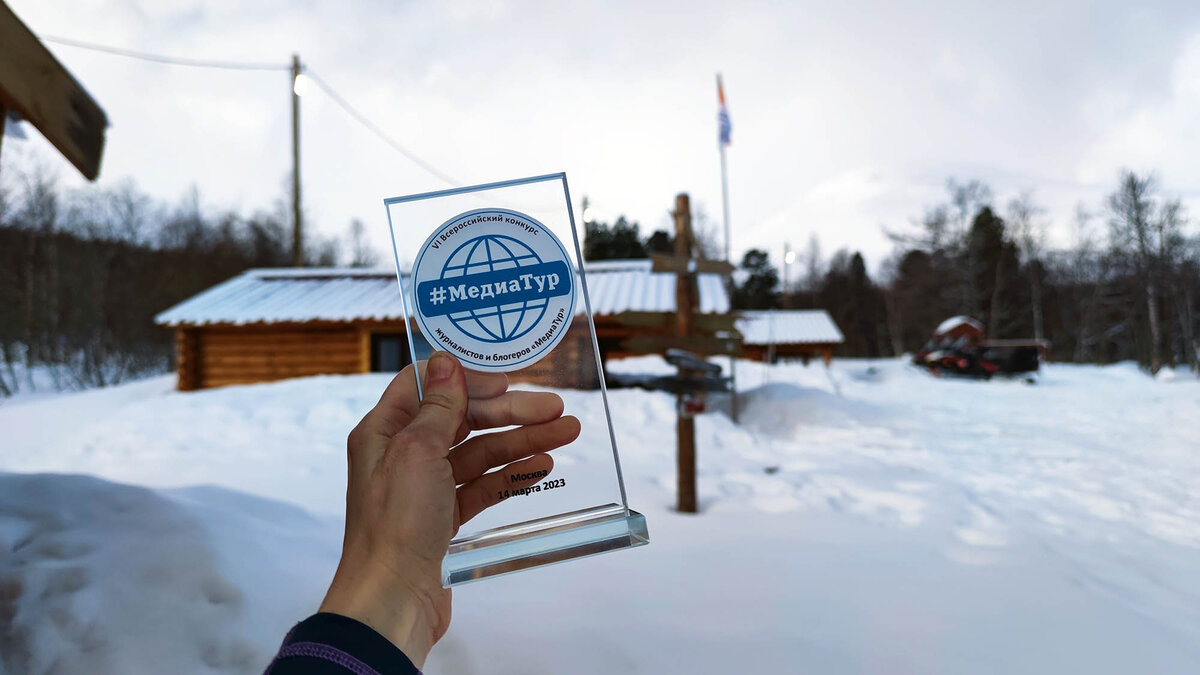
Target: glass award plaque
[{"x": 494, "y": 275}]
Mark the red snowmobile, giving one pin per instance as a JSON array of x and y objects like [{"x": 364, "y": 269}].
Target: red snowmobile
[{"x": 958, "y": 348}]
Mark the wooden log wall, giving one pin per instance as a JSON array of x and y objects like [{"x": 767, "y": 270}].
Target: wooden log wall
[
  {"x": 572, "y": 364},
  {"x": 244, "y": 355},
  {"x": 218, "y": 356}
]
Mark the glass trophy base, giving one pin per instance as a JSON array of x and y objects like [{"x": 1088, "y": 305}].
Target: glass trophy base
[{"x": 545, "y": 541}]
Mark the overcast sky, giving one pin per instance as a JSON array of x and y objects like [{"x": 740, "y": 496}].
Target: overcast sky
[{"x": 847, "y": 116}]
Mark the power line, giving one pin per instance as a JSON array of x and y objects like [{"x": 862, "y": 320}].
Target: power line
[
  {"x": 374, "y": 128},
  {"x": 169, "y": 60},
  {"x": 236, "y": 65}
]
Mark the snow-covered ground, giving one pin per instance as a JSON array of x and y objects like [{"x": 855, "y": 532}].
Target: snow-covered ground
[{"x": 864, "y": 519}]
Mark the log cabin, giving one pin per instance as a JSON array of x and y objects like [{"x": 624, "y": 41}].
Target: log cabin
[{"x": 277, "y": 323}]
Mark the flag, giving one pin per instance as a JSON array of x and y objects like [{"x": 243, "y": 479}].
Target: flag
[{"x": 723, "y": 125}]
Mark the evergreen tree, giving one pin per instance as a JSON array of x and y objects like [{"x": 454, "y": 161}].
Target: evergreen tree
[
  {"x": 760, "y": 289},
  {"x": 620, "y": 241},
  {"x": 855, "y": 303},
  {"x": 660, "y": 242},
  {"x": 996, "y": 267}
]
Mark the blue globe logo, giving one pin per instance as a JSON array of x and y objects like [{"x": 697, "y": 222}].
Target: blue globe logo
[{"x": 499, "y": 323}]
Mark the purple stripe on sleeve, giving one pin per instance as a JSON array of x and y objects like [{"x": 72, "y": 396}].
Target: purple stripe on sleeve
[{"x": 317, "y": 650}]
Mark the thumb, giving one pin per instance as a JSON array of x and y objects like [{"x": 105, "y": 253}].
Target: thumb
[{"x": 443, "y": 407}]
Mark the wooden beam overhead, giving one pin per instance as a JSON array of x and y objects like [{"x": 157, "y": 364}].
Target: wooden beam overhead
[{"x": 35, "y": 85}]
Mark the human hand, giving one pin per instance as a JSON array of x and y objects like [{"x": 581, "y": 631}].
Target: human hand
[{"x": 415, "y": 478}]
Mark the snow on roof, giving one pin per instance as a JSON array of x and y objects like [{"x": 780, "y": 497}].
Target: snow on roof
[
  {"x": 619, "y": 285},
  {"x": 290, "y": 295},
  {"x": 956, "y": 321},
  {"x": 806, "y": 326}
]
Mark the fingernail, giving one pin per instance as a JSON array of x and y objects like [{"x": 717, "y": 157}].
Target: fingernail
[{"x": 441, "y": 366}]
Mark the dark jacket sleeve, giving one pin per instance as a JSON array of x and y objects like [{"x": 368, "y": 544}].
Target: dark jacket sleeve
[{"x": 331, "y": 644}]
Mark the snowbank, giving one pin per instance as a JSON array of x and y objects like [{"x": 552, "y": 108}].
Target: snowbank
[
  {"x": 100, "y": 577},
  {"x": 864, "y": 519}
]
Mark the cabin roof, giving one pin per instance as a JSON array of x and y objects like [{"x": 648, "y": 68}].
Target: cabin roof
[
  {"x": 296, "y": 295},
  {"x": 798, "y": 326},
  {"x": 958, "y": 322}
]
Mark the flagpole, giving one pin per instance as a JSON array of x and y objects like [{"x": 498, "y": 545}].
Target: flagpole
[
  {"x": 723, "y": 140},
  {"x": 725, "y": 202}
]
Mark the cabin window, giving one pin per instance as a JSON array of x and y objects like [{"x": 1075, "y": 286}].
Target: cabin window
[{"x": 389, "y": 352}]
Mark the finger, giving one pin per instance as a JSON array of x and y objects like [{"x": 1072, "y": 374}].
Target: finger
[
  {"x": 486, "y": 385},
  {"x": 484, "y": 453},
  {"x": 512, "y": 408},
  {"x": 396, "y": 406},
  {"x": 515, "y": 407},
  {"x": 488, "y": 490},
  {"x": 479, "y": 384},
  {"x": 443, "y": 407}
]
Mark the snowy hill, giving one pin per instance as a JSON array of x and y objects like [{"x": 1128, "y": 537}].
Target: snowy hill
[{"x": 867, "y": 519}]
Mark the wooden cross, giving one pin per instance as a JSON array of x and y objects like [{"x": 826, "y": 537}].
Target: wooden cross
[{"x": 39, "y": 89}]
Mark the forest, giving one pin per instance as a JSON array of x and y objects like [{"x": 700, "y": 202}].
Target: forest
[
  {"x": 83, "y": 272},
  {"x": 1123, "y": 288}
]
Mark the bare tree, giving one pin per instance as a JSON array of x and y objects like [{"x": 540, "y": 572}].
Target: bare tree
[
  {"x": 1083, "y": 270},
  {"x": 360, "y": 250},
  {"x": 1137, "y": 225},
  {"x": 130, "y": 212},
  {"x": 706, "y": 233},
  {"x": 814, "y": 267},
  {"x": 1168, "y": 231},
  {"x": 1026, "y": 218},
  {"x": 966, "y": 199}
]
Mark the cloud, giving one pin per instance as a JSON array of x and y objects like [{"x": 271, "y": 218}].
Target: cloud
[
  {"x": 846, "y": 115},
  {"x": 1156, "y": 134}
]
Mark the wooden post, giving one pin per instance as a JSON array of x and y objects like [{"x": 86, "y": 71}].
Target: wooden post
[
  {"x": 187, "y": 359},
  {"x": 364, "y": 349},
  {"x": 685, "y": 301},
  {"x": 3, "y": 119},
  {"x": 297, "y": 236}
]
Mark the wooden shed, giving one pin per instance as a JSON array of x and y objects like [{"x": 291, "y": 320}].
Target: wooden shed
[
  {"x": 272, "y": 324},
  {"x": 789, "y": 334}
]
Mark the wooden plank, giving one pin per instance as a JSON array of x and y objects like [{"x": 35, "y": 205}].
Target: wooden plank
[
  {"x": 269, "y": 375},
  {"x": 236, "y": 360},
  {"x": 210, "y": 383},
  {"x": 669, "y": 263},
  {"x": 349, "y": 343},
  {"x": 347, "y": 336},
  {"x": 187, "y": 357},
  {"x": 217, "y": 356},
  {"x": 364, "y": 350},
  {"x": 314, "y": 347},
  {"x": 710, "y": 323},
  {"x": 3, "y": 121},
  {"x": 39, "y": 88},
  {"x": 331, "y": 361},
  {"x": 689, "y": 385},
  {"x": 707, "y": 346},
  {"x": 682, "y": 265},
  {"x": 714, "y": 267}
]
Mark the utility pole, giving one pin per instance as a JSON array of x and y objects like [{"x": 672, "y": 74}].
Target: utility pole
[
  {"x": 685, "y": 301},
  {"x": 786, "y": 252},
  {"x": 789, "y": 257},
  {"x": 297, "y": 225},
  {"x": 586, "y": 229}
]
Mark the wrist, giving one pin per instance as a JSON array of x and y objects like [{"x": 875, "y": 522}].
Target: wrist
[{"x": 392, "y": 609}]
